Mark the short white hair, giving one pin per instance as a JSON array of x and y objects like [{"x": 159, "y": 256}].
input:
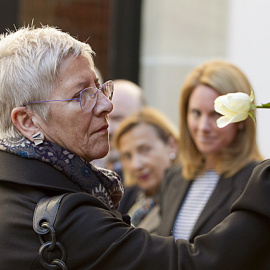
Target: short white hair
[{"x": 29, "y": 62}]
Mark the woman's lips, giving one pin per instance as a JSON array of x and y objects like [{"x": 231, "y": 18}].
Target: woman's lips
[
  {"x": 143, "y": 177},
  {"x": 103, "y": 129}
]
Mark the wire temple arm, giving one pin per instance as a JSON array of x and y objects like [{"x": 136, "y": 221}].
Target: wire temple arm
[{"x": 42, "y": 101}]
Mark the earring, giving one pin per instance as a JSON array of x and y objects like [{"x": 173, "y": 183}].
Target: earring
[
  {"x": 38, "y": 138},
  {"x": 172, "y": 156},
  {"x": 241, "y": 126}
]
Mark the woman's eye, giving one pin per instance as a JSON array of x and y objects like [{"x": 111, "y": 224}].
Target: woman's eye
[
  {"x": 145, "y": 149},
  {"x": 125, "y": 157},
  {"x": 216, "y": 115},
  {"x": 195, "y": 113},
  {"x": 77, "y": 95}
]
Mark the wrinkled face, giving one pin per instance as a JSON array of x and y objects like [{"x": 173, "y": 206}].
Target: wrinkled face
[
  {"x": 84, "y": 133},
  {"x": 145, "y": 156},
  {"x": 201, "y": 117}
]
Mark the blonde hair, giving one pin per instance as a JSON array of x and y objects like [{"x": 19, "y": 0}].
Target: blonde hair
[
  {"x": 29, "y": 62},
  {"x": 225, "y": 78},
  {"x": 162, "y": 125}
]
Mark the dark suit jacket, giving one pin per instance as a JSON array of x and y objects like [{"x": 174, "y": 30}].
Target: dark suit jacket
[
  {"x": 174, "y": 191},
  {"x": 96, "y": 238},
  {"x": 129, "y": 198}
]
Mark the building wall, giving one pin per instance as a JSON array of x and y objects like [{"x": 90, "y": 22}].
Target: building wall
[
  {"x": 88, "y": 20},
  {"x": 179, "y": 35},
  {"x": 248, "y": 47},
  {"x": 176, "y": 37}
]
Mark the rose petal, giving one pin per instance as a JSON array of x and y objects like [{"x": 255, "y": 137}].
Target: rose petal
[
  {"x": 223, "y": 121},
  {"x": 239, "y": 117}
]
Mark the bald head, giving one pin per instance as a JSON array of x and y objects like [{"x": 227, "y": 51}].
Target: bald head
[{"x": 127, "y": 99}]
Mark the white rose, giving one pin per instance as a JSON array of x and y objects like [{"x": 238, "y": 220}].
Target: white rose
[{"x": 234, "y": 107}]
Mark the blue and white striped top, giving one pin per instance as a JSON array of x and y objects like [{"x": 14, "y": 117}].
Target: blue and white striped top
[{"x": 197, "y": 197}]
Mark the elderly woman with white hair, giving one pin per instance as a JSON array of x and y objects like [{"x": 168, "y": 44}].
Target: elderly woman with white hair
[{"x": 57, "y": 211}]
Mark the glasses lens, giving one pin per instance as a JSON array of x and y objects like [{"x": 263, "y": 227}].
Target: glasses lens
[
  {"x": 107, "y": 89},
  {"x": 89, "y": 95},
  {"x": 88, "y": 98}
]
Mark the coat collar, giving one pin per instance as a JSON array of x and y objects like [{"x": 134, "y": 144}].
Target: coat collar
[
  {"x": 178, "y": 190},
  {"x": 34, "y": 173}
]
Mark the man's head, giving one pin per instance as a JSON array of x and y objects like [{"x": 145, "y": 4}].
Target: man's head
[{"x": 127, "y": 99}]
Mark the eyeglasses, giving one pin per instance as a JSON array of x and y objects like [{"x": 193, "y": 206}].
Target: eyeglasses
[{"x": 87, "y": 97}]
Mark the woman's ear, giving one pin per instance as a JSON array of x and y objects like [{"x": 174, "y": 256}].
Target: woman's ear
[
  {"x": 240, "y": 126},
  {"x": 173, "y": 147},
  {"x": 23, "y": 121}
]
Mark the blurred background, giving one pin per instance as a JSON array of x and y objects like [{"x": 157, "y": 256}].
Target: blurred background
[{"x": 156, "y": 43}]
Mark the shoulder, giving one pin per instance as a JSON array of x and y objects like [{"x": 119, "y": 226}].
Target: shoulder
[
  {"x": 261, "y": 171},
  {"x": 82, "y": 211},
  {"x": 81, "y": 200},
  {"x": 172, "y": 175},
  {"x": 129, "y": 198},
  {"x": 131, "y": 189},
  {"x": 256, "y": 194},
  {"x": 249, "y": 167},
  {"x": 244, "y": 174},
  {"x": 264, "y": 165},
  {"x": 173, "y": 170}
]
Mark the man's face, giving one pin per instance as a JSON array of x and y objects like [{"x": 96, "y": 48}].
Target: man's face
[{"x": 125, "y": 104}]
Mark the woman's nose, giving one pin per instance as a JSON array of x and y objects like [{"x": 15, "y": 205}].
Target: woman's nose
[
  {"x": 205, "y": 123},
  {"x": 136, "y": 163},
  {"x": 103, "y": 104}
]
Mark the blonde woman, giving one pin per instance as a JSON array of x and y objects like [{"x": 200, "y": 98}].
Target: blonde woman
[
  {"x": 216, "y": 163},
  {"x": 147, "y": 142}
]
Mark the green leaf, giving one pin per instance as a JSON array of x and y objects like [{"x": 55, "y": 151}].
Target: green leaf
[
  {"x": 252, "y": 107},
  {"x": 253, "y": 117}
]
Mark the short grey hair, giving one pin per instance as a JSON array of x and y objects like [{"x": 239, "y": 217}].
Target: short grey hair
[{"x": 29, "y": 62}]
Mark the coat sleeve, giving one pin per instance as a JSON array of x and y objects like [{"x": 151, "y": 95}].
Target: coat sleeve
[
  {"x": 241, "y": 241},
  {"x": 96, "y": 239}
]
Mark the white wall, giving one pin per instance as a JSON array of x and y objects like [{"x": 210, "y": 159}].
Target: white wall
[
  {"x": 176, "y": 37},
  {"x": 179, "y": 35},
  {"x": 249, "y": 48}
]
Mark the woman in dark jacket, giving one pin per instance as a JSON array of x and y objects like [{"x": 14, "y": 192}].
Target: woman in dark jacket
[
  {"x": 59, "y": 211},
  {"x": 215, "y": 162}
]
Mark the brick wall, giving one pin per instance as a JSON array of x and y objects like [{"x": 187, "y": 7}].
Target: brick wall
[{"x": 88, "y": 20}]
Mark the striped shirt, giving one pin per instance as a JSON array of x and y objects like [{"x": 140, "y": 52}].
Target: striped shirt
[{"x": 197, "y": 197}]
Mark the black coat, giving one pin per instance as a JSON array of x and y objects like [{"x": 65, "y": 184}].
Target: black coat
[
  {"x": 96, "y": 238},
  {"x": 175, "y": 188}
]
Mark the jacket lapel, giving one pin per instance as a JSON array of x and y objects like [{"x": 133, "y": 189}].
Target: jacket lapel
[
  {"x": 220, "y": 194},
  {"x": 175, "y": 199}
]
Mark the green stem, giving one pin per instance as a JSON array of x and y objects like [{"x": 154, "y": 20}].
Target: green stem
[{"x": 264, "y": 106}]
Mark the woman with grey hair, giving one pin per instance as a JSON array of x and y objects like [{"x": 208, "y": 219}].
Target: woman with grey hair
[{"x": 59, "y": 211}]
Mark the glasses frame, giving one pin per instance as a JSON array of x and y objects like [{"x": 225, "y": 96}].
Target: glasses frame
[{"x": 78, "y": 99}]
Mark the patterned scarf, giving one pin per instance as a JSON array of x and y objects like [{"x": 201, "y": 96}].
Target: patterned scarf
[
  {"x": 143, "y": 205},
  {"x": 102, "y": 183}
]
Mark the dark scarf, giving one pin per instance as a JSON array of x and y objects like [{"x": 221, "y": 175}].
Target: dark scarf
[{"x": 102, "y": 183}]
